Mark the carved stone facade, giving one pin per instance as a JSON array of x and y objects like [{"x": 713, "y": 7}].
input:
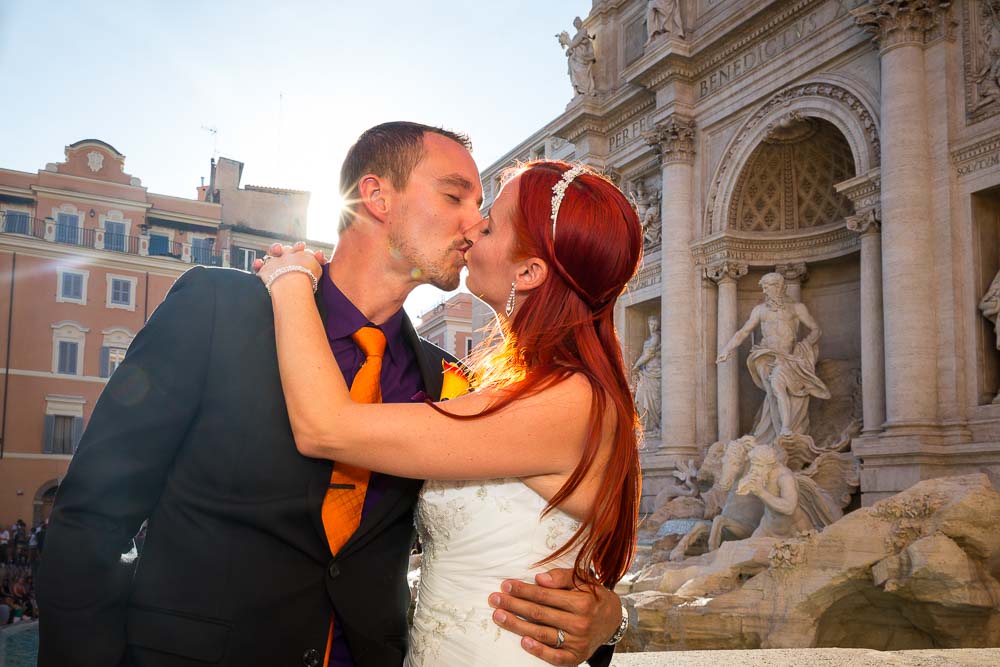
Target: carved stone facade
[{"x": 849, "y": 145}]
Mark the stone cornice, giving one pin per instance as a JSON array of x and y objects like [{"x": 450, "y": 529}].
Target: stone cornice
[
  {"x": 770, "y": 249},
  {"x": 897, "y": 22},
  {"x": 647, "y": 276},
  {"x": 161, "y": 266},
  {"x": 864, "y": 191},
  {"x": 183, "y": 217},
  {"x": 86, "y": 196},
  {"x": 981, "y": 154},
  {"x": 673, "y": 138},
  {"x": 736, "y": 43}
]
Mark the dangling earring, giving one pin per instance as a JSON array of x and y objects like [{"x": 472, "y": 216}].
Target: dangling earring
[{"x": 510, "y": 300}]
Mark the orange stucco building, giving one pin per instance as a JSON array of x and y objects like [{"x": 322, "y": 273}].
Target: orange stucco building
[{"x": 86, "y": 255}]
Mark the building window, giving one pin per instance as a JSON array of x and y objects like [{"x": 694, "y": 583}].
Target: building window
[
  {"x": 111, "y": 359},
  {"x": 68, "y": 353},
  {"x": 68, "y": 228},
  {"x": 16, "y": 222},
  {"x": 468, "y": 346},
  {"x": 201, "y": 251},
  {"x": 159, "y": 245},
  {"x": 71, "y": 286},
  {"x": 245, "y": 258},
  {"x": 121, "y": 292},
  {"x": 67, "y": 348},
  {"x": 63, "y": 424},
  {"x": 114, "y": 236},
  {"x": 62, "y": 435}
]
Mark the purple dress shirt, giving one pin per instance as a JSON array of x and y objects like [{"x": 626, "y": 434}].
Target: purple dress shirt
[{"x": 400, "y": 381}]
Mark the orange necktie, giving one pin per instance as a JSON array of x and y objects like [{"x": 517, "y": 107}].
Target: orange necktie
[{"x": 346, "y": 495}]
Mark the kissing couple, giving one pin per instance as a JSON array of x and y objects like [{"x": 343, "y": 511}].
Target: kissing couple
[{"x": 276, "y": 432}]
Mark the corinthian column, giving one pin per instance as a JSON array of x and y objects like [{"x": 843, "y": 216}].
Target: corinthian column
[
  {"x": 795, "y": 275},
  {"x": 872, "y": 344},
  {"x": 726, "y": 274},
  {"x": 674, "y": 139},
  {"x": 901, "y": 28}
]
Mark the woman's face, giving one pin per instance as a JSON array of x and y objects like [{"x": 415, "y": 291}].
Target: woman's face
[{"x": 490, "y": 259}]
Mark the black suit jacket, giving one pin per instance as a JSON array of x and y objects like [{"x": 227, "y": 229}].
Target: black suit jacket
[{"x": 191, "y": 431}]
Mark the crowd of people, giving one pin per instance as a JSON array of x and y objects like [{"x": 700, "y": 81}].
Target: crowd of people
[{"x": 19, "y": 552}]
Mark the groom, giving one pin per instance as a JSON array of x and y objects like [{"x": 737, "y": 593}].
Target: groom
[{"x": 191, "y": 432}]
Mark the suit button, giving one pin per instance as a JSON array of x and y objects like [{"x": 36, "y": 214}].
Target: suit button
[
  {"x": 333, "y": 571},
  {"x": 311, "y": 658}
]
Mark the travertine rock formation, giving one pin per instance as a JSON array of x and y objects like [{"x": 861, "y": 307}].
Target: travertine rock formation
[{"x": 917, "y": 570}]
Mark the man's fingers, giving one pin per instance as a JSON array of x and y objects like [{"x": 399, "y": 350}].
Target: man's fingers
[
  {"x": 540, "y": 640},
  {"x": 577, "y": 601},
  {"x": 560, "y": 577},
  {"x": 537, "y": 614},
  {"x": 553, "y": 656}
]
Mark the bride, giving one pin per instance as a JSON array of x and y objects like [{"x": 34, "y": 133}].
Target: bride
[{"x": 548, "y": 437}]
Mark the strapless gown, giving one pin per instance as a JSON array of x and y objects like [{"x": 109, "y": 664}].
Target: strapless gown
[{"x": 476, "y": 534}]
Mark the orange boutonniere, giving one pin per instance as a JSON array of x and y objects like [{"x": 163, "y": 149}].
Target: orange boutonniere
[{"x": 454, "y": 382}]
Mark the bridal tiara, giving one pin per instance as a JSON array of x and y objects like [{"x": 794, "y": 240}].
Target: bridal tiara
[{"x": 559, "y": 191}]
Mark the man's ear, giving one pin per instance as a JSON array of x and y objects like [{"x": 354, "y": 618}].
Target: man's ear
[
  {"x": 531, "y": 273},
  {"x": 375, "y": 194}
]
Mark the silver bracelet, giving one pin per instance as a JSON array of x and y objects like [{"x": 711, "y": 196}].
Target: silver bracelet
[
  {"x": 620, "y": 632},
  {"x": 291, "y": 268}
]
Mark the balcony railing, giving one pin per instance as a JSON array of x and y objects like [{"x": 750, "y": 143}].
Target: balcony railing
[{"x": 97, "y": 239}]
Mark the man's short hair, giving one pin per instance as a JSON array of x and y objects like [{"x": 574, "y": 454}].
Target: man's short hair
[{"x": 391, "y": 150}]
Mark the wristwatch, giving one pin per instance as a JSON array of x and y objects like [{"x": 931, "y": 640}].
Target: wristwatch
[{"x": 620, "y": 632}]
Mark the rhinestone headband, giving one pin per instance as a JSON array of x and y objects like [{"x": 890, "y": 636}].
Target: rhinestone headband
[{"x": 559, "y": 191}]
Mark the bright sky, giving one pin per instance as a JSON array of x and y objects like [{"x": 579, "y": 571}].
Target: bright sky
[{"x": 288, "y": 86}]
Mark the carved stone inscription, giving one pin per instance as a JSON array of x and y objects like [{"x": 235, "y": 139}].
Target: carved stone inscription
[
  {"x": 768, "y": 48},
  {"x": 628, "y": 133}
]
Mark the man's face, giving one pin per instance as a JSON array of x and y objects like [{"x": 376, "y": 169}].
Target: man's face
[{"x": 440, "y": 203}]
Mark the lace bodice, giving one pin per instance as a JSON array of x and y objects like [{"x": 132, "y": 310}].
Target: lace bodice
[{"x": 475, "y": 535}]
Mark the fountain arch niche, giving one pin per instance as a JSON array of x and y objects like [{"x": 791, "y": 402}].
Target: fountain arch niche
[{"x": 785, "y": 205}]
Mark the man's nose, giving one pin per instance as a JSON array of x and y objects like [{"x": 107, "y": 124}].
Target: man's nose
[{"x": 471, "y": 228}]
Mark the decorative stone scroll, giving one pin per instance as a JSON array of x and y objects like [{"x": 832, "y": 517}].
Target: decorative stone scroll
[{"x": 726, "y": 271}]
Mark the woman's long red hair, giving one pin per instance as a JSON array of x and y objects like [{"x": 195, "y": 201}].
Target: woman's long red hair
[{"x": 566, "y": 326}]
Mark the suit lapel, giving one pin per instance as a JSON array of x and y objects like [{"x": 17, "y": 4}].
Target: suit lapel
[{"x": 399, "y": 492}]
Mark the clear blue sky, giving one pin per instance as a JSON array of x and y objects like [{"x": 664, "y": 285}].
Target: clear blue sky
[{"x": 288, "y": 86}]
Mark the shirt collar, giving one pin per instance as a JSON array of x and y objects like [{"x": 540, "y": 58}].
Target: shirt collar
[{"x": 343, "y": 318}]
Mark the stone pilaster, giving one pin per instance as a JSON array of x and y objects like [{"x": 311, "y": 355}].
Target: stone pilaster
[
  {"x": 673, "y": 138},
  {"x": 795, "y": 275},
  {"x": 868, "y": 225},
  {"x": 726, "y": 274},
  {"x": 901, "y": 28}
]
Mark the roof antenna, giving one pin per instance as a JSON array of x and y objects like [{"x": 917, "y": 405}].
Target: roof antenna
[{"x": 214, "y": 131}]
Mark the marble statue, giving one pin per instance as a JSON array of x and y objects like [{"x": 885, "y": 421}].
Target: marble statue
[
  {"x": 647, "y": 373},
  {"x": 647, "y": 207},
  {"x": 990, "y": 305},
  {"x": 580, "y": 53},
  {"x": 663, "y": 17},
  {"x": 780, "y": 364},
  {"x": 798, "y": 502},
  {"x": 740, "y": 514}
]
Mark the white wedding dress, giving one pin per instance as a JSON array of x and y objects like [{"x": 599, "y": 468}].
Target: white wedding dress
[{"x": 475, "y": 535}]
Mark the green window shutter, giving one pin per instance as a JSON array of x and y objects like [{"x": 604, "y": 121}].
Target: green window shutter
[
  {"x": 105, "y": 370},
  {"x": 50, "y": 425},
  {"x": 77, "y": 432}
]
